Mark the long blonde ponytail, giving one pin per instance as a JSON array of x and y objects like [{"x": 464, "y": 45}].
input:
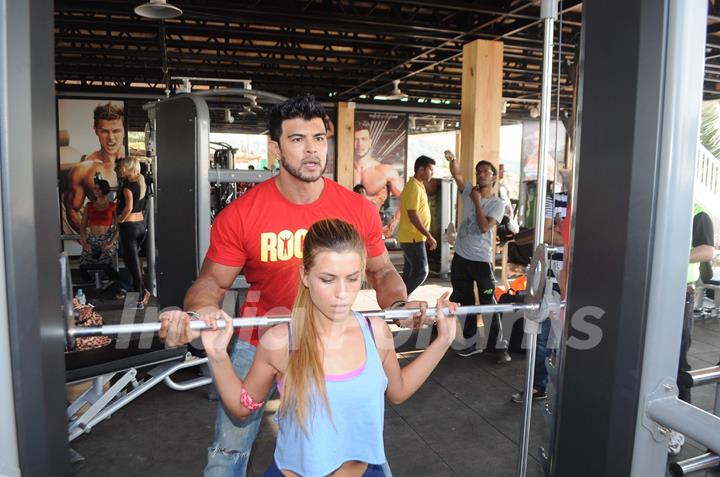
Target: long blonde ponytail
[
  {"x": 305, "y": 372},
  {"x": 305, "y": 366}
]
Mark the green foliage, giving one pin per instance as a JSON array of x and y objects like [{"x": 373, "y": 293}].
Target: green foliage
[{"x": 710, "y": 127}]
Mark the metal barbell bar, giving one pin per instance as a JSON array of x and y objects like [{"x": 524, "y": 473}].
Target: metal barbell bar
[
  {"x": 262, "y": 321},
  {"x": 698, "y": 377},
  {"x": 535, "y": 305},
  {"x": 707, "y": 461}
]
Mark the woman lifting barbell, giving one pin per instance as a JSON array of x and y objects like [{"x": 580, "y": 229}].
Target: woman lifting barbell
[{"x": 332, "y": 366}]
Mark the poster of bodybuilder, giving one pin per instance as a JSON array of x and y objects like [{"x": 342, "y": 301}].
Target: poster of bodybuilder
[
  {"x": 91, "y": 136},
  {"x": 379, "y": 162}
]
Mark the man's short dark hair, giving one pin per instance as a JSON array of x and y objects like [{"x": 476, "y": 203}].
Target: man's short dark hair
[
  {"x": 359, "y": 188},
  {"x": 107, "y": 112},
  {"x": 104, "y": 186},
  {"x": 489, "y": 164},
  {"x": 304, "y": 106},
  {"x": 363, "y": 124},
  {"x": 423, "y": 161}
]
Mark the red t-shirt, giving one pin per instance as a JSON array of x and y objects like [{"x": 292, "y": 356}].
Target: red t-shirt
[
  {"x": 100, "y": 217},
  {"x": 263, "y": 232}
]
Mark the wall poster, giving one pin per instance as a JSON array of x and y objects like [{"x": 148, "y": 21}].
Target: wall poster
[
  {"x": 91, "y": 136},
  {"x": 380, "y": 151}
]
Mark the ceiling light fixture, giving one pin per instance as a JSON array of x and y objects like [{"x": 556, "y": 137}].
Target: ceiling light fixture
[
  {"x": 158, "y": 10},
  {"x": 246, "y": 111},
  {"x": 396, "y": 93},
  {"x": 186, "y": 86},
  {"x": 253, "y": 102}
]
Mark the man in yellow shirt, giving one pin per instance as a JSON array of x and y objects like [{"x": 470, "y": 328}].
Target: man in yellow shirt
[{"x": 414, "y": 229}]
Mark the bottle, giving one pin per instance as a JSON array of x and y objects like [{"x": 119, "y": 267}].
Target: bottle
[{"x": 81, "y": 297}]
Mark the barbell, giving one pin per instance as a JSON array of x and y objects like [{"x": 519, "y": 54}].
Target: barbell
[
  {"x": 534, "y": 307},
  {"x": 265, "y": 321}
]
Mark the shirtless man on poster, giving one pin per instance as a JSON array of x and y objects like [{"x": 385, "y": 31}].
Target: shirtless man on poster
[
  {"x": 110, "y": 130},
  {"x": 376, "y": 177}
]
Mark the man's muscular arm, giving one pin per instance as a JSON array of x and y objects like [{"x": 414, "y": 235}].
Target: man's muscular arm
[
  {"x": 395, "y": 185},
  {"x": 379, "y": 198},
  {"x": 203, "y": 297},
  {"x": 390, "y": 289},
  {"x": 385, "y": 280},
  {"x": 394, "y": 181},
  {"x": 75, "y": 197},
  {"x": 210, "y": 287},
  {"x": 389, "y": 229},
  {"x": 83, "y": 231}
]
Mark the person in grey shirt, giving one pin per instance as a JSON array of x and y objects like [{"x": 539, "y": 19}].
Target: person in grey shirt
[{"x": 472, "y": 264}]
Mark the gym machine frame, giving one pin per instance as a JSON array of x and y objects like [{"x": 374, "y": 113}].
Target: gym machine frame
[
  {"x": 709, "y": 460},
  {"x": 180, "y": 130},
  {"x": 548, "y": 12},
  {"x": 660, "y": 408},
  {"x": 639, "y": 94}
]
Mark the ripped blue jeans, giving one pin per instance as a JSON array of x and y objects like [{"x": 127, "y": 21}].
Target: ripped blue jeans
[{"x": 228, "y": 456}]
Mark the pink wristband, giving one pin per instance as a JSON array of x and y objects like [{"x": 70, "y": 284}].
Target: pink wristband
[{"x": 247, "y": 400}]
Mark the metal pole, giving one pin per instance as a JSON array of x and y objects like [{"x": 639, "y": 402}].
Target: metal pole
[
  {"x": 150, "y": 247},
  {"x": 707, "y": 461},
  {"x": 698, "y": 377},
  {"x": 695, "y": 423},
  {"x": 8, "y": 433},
  {"x": 224, "y": 176},
  {"x": 252, "y": 322},
  {"x": 681, "y": 99},
  {"x": 548, "y": 12},
  {"x": 527, "y": 404},
  {"x": 549, "y": 23}
]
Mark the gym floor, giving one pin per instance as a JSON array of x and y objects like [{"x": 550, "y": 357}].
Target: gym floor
[{"x": 460, "y": 423}]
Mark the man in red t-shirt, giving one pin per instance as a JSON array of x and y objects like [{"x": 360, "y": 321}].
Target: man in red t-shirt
[{"x": 262, "y": 233}]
